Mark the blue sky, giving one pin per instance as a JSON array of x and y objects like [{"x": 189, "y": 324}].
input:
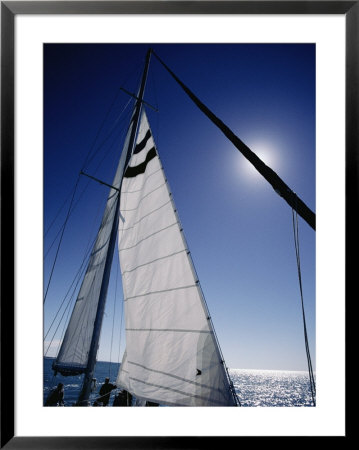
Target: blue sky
[{"x": 238, "y": 229}]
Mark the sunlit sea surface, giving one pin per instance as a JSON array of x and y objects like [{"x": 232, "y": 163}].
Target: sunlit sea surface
[{"x": 254, "y": 387}]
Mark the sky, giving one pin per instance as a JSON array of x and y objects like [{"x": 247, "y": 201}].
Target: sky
[{"x": 238, "y": 229}]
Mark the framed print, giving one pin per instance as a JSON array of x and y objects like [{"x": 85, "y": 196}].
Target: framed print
[{"x": 216, "y": 108}]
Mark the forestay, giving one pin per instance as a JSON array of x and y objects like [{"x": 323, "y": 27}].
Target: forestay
[{"x": 172, "y": 356}]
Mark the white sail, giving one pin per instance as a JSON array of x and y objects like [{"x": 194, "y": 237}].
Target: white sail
[
  {"x": 172, "y": 357},
  {"x": 75, "y": 348}
]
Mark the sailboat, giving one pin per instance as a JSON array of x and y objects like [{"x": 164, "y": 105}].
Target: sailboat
[
  {"x": 172, "y": 354},
  {"x": 172, "y": 357}
]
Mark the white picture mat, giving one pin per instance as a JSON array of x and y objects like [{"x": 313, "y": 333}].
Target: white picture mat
[{"x": 32, "y": 419}]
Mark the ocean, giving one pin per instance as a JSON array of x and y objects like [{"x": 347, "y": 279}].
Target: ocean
[{"x": 254, "y": 387}]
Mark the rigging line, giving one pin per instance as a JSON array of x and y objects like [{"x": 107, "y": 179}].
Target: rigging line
[
  {"x": 137, "y": 68},
  {"x": 78, "y": 200},
  {"x": 77, "y": 277},
  {"x": 58, "y": 213},
  {"x": 100, "y": 129},
  {"x": 66, "y": 321},
  {"x": 62, "y": 234},
  {"x": 113, "y": 323},
  {"x": 115, "y": 126},
  {"x": 53, "y": 336},
  {"x": 119, "y": 345},
  {"x": 153, "y": 80},
  {"x": 296, "y": 244},
  {"x": 310, "y": 369},
  {"x": 110, "y": 147},
  {"x": 68, "y": 307},
  {"x": 69, "y": 214},
  {"x": 82, "y": 267},
  {"x": 88, "y": 159},
  {"x": 62, "y": 226},
  {"x": 85, "y": 314}
]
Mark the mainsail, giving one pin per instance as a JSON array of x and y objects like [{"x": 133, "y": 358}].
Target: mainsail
[{"x": 172, "y": 356}]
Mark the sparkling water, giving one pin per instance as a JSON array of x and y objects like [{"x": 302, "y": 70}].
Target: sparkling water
[
  {"x": 272, "y": 387},
  {"x": 253, "y": 387}
]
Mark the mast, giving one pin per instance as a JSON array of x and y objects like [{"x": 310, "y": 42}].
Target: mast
[{"x": 86, "y": 388}]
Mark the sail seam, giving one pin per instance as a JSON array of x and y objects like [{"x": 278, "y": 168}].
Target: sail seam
[
  {"x": 139, "y": 190},
  {"x": 160, "y": 292},
  {"x": 147, "y": 237},
  {"x": 146, "y": 215},
  {"x": 171, "y": 375},
  {"x": 176, "y": 330},
  {"x": 153, "y": 261},
  {"x": 175, "y": 390},
  {"x": 151, "y": 192}
]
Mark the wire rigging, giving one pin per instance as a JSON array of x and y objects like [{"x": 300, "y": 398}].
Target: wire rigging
[
  {"x": 58, "y": 213},
  {"x": 76, "y": 279},
  {"x": 113, "y": 323},
  {"x": 78, "y": 275},
  {"x": 154, "y": 89},
  {"x": 61, "y": 237},
  {"x": 77, "y": 182},
  {"x": 82, "y": 267},
  {"x": 297, "y": 253},
  {"x": 100, "y": 128},
  {"x": 120, "y": 338},
  {"x": 97, "y": 167},
  {"x": 71, "y": 208},
  {"x": 113, "y": 128},
  {"x": 73, "y": 196}
]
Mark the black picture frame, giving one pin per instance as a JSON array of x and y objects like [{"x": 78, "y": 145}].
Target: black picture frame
[{"x": 9, "y": 10}]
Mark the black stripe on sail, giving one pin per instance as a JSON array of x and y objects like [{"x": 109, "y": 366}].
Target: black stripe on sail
[
  {"x": 141, "y": 145},
  {"x": 137, "y": 170}
]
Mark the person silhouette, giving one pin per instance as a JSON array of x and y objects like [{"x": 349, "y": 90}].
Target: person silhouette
[
  {"x": 56, "y": 396},
  {"x": 105, "y": 392}
]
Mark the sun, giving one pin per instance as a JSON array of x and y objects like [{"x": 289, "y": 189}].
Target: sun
[{"x": 266, "y": 152}]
